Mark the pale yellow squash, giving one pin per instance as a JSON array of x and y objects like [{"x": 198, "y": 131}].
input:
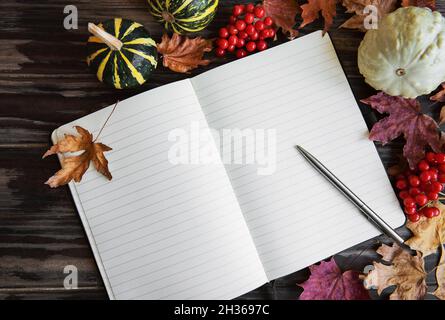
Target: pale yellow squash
[{"x": 405, "y": 56}]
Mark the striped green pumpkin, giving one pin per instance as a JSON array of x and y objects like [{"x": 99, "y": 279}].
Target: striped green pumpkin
[
  {"x": 182, "y": 16},
  {"x": 130, "y": 66}
]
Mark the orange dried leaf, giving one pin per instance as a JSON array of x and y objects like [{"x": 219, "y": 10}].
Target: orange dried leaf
[
  {"x": 182, "y": 54},
  {"x": 311, "y": 12},
  {"x": 420, "y": 3},
  {"x": 73, "y": 168},
  {"x": 283, "y": 13},
  {"x": 442, "y": 116},
  {"x": 440, "y": 96},
  {"x": 358, "y": 7}
]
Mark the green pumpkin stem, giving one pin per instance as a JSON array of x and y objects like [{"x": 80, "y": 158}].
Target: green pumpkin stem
[{"x": 111, "y": 41}]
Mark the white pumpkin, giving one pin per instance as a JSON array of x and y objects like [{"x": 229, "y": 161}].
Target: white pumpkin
[{"x": 405, "y": 56}]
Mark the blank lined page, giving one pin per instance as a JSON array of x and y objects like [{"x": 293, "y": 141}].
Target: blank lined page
[
  {"x": 299, "y": 90},
  {"x": 158, "y": 230}
]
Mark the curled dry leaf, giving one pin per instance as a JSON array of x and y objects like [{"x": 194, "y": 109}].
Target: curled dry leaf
[
  {"x": 358, "y": 7},
  {"x": 442, "y": 116},
  {"x": 420, "y": 3},
  {"x": 405, "y": 271},
  {"x": 311, "y": 12},
  {"x": 428, "y": 234},
  {"x": 73, "y": 168},
  {"x": 405, "y": 118},
  {"x": 182, "y": 54},
  {"x": 327, "y": 282},
  {"x": 283, "y": 13},
  {"x": 440, "y": 96},
  {"x": 440, "y": 277}
]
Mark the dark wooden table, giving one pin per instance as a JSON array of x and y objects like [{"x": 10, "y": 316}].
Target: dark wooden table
[{"x": 44, "y": 83}]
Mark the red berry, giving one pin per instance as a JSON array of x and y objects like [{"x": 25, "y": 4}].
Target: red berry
[
  {"x": 431, "y": 157},
  {"x": 436, "y": 212},
  {"x": 414, "y": 181},
  {"x": 401, "y": 184},
  {"x": 233, "y": 40},
  {"x": 250, "y": 29},
  {"x": 430, "y": 212},
  {"x": 440, "y": 158},
  {"x": 259, "y": 12},
  {"x": 222, "y": 43},
  {"x": 271, "y": 33},
  {"x": 264, "y": 34},
  {"x": 231, "y": 48},
  {"x": 241, "y": 53},
  {"x": 254, "y": 36},
  {"x": 268, "y": 21},
  {"x": 432, "y": 196},
  {"x": 237, "y": 10},
  {"x": 425, "y": 176},
  {"x": 411, "y": 210},
  {"x": 400, "y": 177},
  {"x": 243, "y": 35},
  {"x": 414, "y": 191},
  {"x": 240, "y": 25},
  {"x": 259, "y": 25},
  {"x": 436, "y": 187},
  {"x": 240, "y": 43},
  {"x": 251, "y": 46},
  {"x": 402, "y": 194},
  {"x": 441, "y": 177},
  {"x": 220, "y": 52},
  {"x": 434, "y": 174},
  {"x": 409, "y": 202},
  {"x": 232, "y": 20},
  {"x": 249, "y": 18},
  {"x": 423, "y": 165},
  {"x": 234, "y": 31},
  {"x": 414, "y": 217},
  {"x": 250, "y": 7},
  {"x": 261, "y": 45},
  {"x": 223, "y": 33},
  {"x": 421, "y": 199}
]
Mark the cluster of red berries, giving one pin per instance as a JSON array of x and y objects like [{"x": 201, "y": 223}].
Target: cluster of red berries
[
  {"x": 421, "y": 187},
  {"x": 246, "y": 32}
]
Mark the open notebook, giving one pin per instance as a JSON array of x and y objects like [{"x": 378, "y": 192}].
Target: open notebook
[{"x": 214, "y": 231}]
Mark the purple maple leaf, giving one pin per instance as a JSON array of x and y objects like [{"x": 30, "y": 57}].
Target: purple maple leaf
[
  {"x": 327, "y": 282},
  {"x": 405, "y": 117}
]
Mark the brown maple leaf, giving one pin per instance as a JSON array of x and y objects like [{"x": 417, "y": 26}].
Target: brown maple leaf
[
  {"x": 311, "y": 12},
  {"x": 440, "y": 277},
  {"x": 428, "y": 234},
  {"x": 73, "y": 168},
  {"x": 358, "y": 7},
  {"x": 440, "y": 96},
  {"x": 406, "y": 272},
  {"x": 405, "y": 118},
  {"x": 442, "y": 116},
  {"x": 182, "y": 54},
  {"x": 283, "y": 13},
  {"x": 420, "y": 3}
]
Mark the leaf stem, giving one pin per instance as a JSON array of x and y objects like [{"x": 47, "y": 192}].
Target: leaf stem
[{"x": 106, "y": 121}]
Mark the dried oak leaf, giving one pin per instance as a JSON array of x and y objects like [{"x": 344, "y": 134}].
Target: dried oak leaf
[
  {"x": 420, "y": 3},
  {"x": 73, "y": 168},
  {"x": 428, "y": 234},
  {"x": 440, "y": 96},
  {"x": 406, "y": 272},
  {"x": 327, "y": 282},
  {"x": 440, "y": 278},
  {"x": 405, "y": 118},
  {"x": 182, "y": 54},
  {"x": 358, "y": 7},
  {"x": 283, "y": 13},
  {"x": 311, "y": 12}
]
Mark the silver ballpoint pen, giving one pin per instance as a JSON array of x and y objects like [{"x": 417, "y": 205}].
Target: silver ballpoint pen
[{"x": 367, "y": 211}]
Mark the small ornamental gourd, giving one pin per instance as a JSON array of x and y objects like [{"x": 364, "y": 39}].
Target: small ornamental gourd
[
  {"x": 182, "y": 16},
  {"x": 121, "y": 53},
  {"x": 405, "y": 56}
]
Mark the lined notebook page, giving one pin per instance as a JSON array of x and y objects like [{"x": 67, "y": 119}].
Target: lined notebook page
[
  {"x": 161, "y": 231},
  {"x": 299, "y": 89}
]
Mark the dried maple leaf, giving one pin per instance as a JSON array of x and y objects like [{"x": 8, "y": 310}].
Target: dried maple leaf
[
  {"x": 440, "y": 277},
  {"x": 442, "y": 116},
  {"x": 182, "y": 54},
  {"x": 311, "y": 12},
  {"x": 405, "y": 118},
  {"x": 440, "y": 96},
  {"x": 420, "y": 3},
  {"x": 327, "y": 282},
  {"x": 406, "y": 272},
  {"x": 428, "y": 234},
  {"x": 73, "y": 168},
  {"x": 283, "y": 13},
  {"x": 358, "y": 7}
]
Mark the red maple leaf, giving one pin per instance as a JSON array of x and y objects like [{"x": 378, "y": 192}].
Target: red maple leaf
[
  {"x": 311, "y": 12},
  {"x": 420, "y": 3},
  {"x": 327, "y": 282},
  {"x": 405, "y": 117}
]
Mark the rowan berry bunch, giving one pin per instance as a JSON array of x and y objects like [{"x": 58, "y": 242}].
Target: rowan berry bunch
[
  {"x": 420, "y": 188},
  {"x": 247, "y": 31}
]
